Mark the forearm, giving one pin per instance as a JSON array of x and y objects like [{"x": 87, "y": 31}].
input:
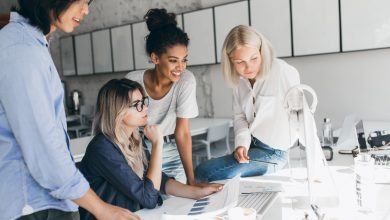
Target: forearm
[
  {"x": 101, "y": 210},
  {"x": 179, "y": 189},
  {"x": 91, "y": 202},
  {"x": 155, "y": 165},
  {"x": 184, "y": 146}
]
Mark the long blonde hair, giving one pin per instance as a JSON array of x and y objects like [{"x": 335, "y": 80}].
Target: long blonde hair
[
  {"x": 113, "y": 99},
  {"x": 243, "y": 35}
]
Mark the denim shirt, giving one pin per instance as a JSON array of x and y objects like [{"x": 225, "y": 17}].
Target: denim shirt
[
  {"x": 114, "y": 181},
  {"x": 37, "y": 171}
]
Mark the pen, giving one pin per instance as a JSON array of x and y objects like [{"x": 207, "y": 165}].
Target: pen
[
  {"x": 317, "y": 211},
  {"x": 262, "y": 161}
]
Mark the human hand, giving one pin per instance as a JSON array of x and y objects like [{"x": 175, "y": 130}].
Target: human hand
[
  {"x": 241, "y": 154},
  {"x": 205, "y": 189},
  {"x": 154, "y": 135},
  {"x": 116, "y": 213}
]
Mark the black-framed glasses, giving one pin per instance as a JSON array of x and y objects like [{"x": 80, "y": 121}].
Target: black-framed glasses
[{"x": 139, "y": 105}]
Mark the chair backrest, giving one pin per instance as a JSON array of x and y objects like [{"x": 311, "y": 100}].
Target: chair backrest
[
  {"x": 217, "y": 132},
  {"x": 86, "y": 114}
]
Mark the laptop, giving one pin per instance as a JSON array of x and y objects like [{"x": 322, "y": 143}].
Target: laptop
[{"x": 229, "y": 197}]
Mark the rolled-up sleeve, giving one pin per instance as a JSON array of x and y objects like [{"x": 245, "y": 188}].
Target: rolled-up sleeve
[
  {"x": 241, "y": 131},
  {"x": 29, "y": 92}
]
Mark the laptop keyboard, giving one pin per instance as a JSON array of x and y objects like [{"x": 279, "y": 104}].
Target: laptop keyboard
[{"x": 258, "y": 201}]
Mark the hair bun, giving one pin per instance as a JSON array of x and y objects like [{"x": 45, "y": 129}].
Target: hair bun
[{"x": 158, "y": 18}]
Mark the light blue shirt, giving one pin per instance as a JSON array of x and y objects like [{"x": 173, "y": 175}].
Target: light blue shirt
[{"x": 37, "y": 171}]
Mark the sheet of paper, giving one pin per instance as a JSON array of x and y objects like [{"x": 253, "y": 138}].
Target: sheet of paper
[{"x": 212, "y": 205}]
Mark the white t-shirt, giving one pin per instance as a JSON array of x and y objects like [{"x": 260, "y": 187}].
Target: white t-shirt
[
  {"x": 259, "y": 111},
  {"x": 180, "y": 101}
]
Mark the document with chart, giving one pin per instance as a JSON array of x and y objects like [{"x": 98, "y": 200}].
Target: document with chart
[{"x": 211, "y": 205}]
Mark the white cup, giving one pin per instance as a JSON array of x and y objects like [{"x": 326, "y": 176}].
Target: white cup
[{"x": 241, "y": 213}]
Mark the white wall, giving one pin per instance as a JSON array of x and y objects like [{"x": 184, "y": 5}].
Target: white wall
[
  {"x": 355, "y": 82},
  {"x": 222, "y": 97},
  {"x": 345, "y": 83},
  {"x": 5, "y": 5}
]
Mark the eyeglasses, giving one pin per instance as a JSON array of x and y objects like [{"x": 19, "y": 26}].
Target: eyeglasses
[{"x": 139, "y": 105}]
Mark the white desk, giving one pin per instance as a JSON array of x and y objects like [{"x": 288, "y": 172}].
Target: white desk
[
  {"x": 293, "y": 201},
  {"x": 197, "y": 126},
  {"x": 200, "y": 125}
]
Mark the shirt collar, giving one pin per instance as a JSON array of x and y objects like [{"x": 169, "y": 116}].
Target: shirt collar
[{"x": 34, "y": 31}]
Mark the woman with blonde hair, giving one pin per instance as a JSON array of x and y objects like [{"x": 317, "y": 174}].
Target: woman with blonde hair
[
  {"x": 260, "y": 82},
  {"x": 116, "y": 161}
]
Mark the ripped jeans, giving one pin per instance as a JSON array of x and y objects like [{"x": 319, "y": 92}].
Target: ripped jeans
[{"x": 227, "y": 167}]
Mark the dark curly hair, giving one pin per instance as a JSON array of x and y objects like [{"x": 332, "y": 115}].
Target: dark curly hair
[
  {"x": 164, "y": 32},
  {"x": 38, "y": 11}
]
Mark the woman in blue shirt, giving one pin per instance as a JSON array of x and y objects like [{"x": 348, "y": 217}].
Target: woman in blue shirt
[{"x": 116, "y": 161}]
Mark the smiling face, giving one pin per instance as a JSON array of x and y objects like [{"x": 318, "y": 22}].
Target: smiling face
[
  {"x": 246, "y": 61},
  {"x": 71, "y": 17},
  {"x": 172, "y": 63},
  {"x": 133, "y": 118}
]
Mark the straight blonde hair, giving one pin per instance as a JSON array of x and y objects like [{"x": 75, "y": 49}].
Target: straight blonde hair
[
  {"x": 243, "y": 35},
  {"x": 113, "y": 99}
]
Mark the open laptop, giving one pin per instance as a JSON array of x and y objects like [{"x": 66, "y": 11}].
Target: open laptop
[
  {"x": 348, "y": 138},
  {"x": 229, "y": 197}
]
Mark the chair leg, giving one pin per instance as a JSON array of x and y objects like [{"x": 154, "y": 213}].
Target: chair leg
[
  {"x": 227, "y": 144},
  {"x": 208, "y": 150}
]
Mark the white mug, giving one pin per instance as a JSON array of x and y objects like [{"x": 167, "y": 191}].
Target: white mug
[{"x": 241, "y": 213}]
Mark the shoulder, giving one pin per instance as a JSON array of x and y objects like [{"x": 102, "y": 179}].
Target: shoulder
[
  {"x": 284, "y": 66},
  {"x": 10, "y": 35},
  {"x": 135, "y": 75},
  {"x": 24, "y": 62},
  {"x": 100, "y": 144},
  {"x": 187, "y": 77},
  {"x": 285, "y": 70}
]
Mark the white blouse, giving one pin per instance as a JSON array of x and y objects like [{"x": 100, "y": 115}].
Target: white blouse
[{"x": 259, "y": 111}]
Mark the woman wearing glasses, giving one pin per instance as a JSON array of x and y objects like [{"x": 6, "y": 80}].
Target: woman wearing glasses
[
  {"x": 261, "y": 126},
  {"x": 116, "y": 163},
  {"x": 172, "y": 92}
]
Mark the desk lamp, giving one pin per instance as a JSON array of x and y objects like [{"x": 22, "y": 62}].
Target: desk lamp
[{"x": 321, "y": 185}]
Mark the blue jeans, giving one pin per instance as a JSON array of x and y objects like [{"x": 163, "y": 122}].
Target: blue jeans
[
  {"x": 171, "y": 162},
  {"x": 227, "y": 167}
]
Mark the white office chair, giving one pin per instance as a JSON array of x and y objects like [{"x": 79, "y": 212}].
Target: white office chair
[{"x": 214, "y": 133}]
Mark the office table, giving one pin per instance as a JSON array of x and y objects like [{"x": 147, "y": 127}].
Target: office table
[
  {"x": 197, "y": 126},
  {"x": 200, "y": 125},
  {"x": 293, "y": 202}
]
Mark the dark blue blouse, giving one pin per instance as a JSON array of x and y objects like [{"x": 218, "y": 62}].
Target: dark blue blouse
[{"x": 114, "y": 181}]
